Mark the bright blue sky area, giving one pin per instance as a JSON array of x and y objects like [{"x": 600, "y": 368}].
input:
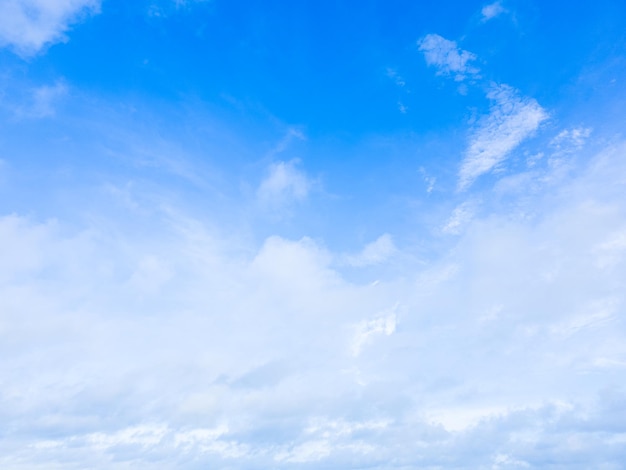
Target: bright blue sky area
[{"x": 331, "y": 234}]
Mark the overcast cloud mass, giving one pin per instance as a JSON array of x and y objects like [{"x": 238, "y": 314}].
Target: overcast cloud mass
[{"x": 252, "y": 235}]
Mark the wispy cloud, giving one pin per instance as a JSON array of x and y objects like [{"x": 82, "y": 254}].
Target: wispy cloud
[
  {"x": 283, "y": 184},
  {"x": 492, "y": 10},
  {"x": 398, "y": 80},
  {"x": 373, "y": 253},
  {"x": 41, "y": 101},
  {"x": 447, "y": 57},
  {"x": 29, "y": 25},
  {"x": 165, "y": 8},
  {"x": 428, "y": 179},
  {"x": 570, "y": 139},
  {"x": 292, "y": 134},
  {"x": 383, "y": 324},
  {"x": 460, "y": 217},
  {"x": 511, "y": 120}
]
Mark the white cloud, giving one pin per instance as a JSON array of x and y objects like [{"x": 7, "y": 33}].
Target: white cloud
[
  {"x": 447, "y": 57},
  {"x": 612, "y": 250},
  {"x": 492, "y": 10},
  {"x": 311, "y": 451},
  {"x": 149, "y": 276},
  {"x": 166, "y": 8},
  {"x": 334, "y": 428},
  {"x": 182, "y": 3},
  {"x": 428, "y": 179},
  {"x": 461, "y": 419},
  {"x": 597, "y": 313},
  {"x": 383, "y": 324},
  {"x": 496, "y": 331},
  {"x": 376, "y": 252},
  {"x": 401, "y": 84},
  {"x": 511, "y": 120},
  {"x": 398, "y": 80},
  {"x": 569, "y": 140},
  {"x": 284, "y": 183},
  {"x": 460, "y": 217},
  {"x": 27, "y": 26}
]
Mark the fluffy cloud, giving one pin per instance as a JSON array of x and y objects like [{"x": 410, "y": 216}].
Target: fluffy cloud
[
  {"x": 511, "y": 120},
  {"x": 29, "y": 25},
  {"x": 447, "y": 57}
]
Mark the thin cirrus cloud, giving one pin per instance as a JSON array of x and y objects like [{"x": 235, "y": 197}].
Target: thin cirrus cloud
[
  {"x": 27, "y": 26},
  {"x": 511, "y": 120}
]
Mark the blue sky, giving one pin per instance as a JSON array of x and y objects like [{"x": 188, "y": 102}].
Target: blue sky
[{"x": 316, "y": 235}]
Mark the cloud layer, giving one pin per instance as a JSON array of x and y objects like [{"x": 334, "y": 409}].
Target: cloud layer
[{"x": 188, "y": 349}]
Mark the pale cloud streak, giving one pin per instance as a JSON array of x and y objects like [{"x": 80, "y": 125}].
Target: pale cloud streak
[
  {"x": 27, "y": 26},
  {"x": 511, "y": 120},
  {"x": 460, "y": 217}
]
